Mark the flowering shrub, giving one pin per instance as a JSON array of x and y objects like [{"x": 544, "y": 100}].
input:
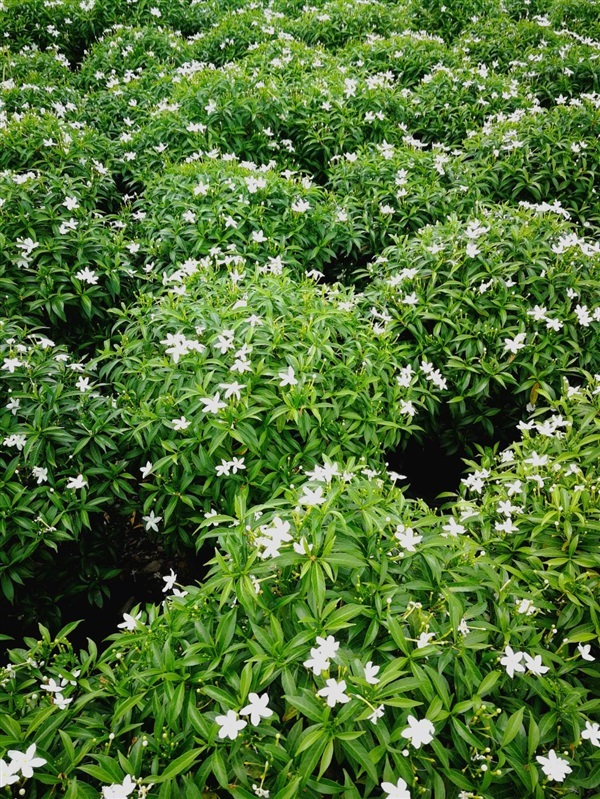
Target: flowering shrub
[
  {"x": 57, "y": 431},
  {"x": 502, "y": 304},
  {"x": 253, "y": 256},
  {"x": 241, "y": 376},
  {"x": 349, "y": 639}
]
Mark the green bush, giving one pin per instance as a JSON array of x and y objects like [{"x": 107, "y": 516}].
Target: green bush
[
  {"x": 347, "y": 640},
  {"x": 60, "y": 461},
  {"x": 242, "y": 363},
  {"x": 500, "y": 307}
]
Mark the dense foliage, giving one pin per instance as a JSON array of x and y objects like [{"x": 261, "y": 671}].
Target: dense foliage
[{"x": 250, "y": 254}]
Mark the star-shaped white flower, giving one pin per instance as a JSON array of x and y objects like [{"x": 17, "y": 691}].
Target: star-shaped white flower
[
  {"x": 145, "y": 470},
  {"x": 512, "y": 661},
  {"x": 535, "y": 666},
  {"x": 26, "y": 761},
  {"x": 257, "y": 709},
  {"x": 334, "y": 692},
  {"x": 230, "y": 726},
  {"x": 288, "y": 378},
  {"x": 419, "y": 732},
  {"x": 397, "y": 791},
  {"x": 151, "y": 521},
  {"x": 181, "y": 423},
  {"x": 170, "y": 580},
  {"x": 554, "y": 767},
  {"x": 213, "y": 404},
  {"x": 370, "y": 672},
  {"x": 584, "y": 651},
  {"x": 77, "y": 482},
  {"x": 592, "y": 733}
]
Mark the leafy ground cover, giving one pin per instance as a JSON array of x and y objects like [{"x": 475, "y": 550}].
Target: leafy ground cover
[{"x": 300, "y": 340}]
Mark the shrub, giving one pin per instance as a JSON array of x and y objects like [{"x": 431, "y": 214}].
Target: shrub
[
  {"x": 60, "y": 463},
  {"x": 346, "y": 637},
  {"x": 501, "y": 306},
  {"x": 269, "y": 374}
]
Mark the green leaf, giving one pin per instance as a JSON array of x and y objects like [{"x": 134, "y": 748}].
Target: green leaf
[{"x": 178, "y": 766}]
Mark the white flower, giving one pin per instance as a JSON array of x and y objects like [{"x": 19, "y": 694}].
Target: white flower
[
  {"x": 52, "y": 686},
  {"x": 87, "y": 275},
  {"x": 230, "y": 725},
  {"x": 8, "y": 773},
  {"x": 526, "y": 606},
  {"x": 453, "y": 528},
  {"x": 151, "y": 521},
  {"x": 407, "y": 538},
  {"x": 83, "y": 384},
  {"x": 534, "y": 665},
  {"x": 377, "y": 714},
  {"x": 180, "y": 424},
  {"x": 213, "y": 404},
  {"x": 554, "y": 767},
  {"x": 232, "y": 389},
  {"x": 25, "y": 762},
  {"x": 77, "y": 482},
  {"x": 515, "y": 344},
  {"x": 592, "y": 733},
  {"x": 257, "y": 709},
  {"x": 302, "y": 547},
  {"x": 397, "y": 791},
  {"x": 41, "y": 474},
  {"x": 11, "y": 364},
  {"x": 317, "y": 662},
  {"x": 288, "y": 378},
  {"x": 130, "y": 622},
  {"x": 584, "y": 651},
  {"x": 311, "y": 497},
  {"x": 119, "y": 791},
  {"x": 169, "y": 581},
  {"x": 370, "y": 672},
  {"x": 334, "y": 692},
  {"x": 328, "y": 646},
  {"x": 71, "y": 203},
  {"x": 60, "y": 701},
  {"x": 237, "y": 465},
  {"x": 419, "y": 732},
  {"x": 424, "y": 639},
  {"x": 512, "y": 661},
  {"x": 145, "y": 470},
  {"x": 300, "y": 206}
]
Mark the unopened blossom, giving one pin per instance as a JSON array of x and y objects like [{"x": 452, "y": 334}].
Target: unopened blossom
[
  {"x": 257, "y": 709},
  {"x": 397, "y": 791},
  {"x": 554, "y": 767},
  {"x": 229, "y": 725},
  {"x": 592, "y": 733},
  {"x": 333, "y": 692}
]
